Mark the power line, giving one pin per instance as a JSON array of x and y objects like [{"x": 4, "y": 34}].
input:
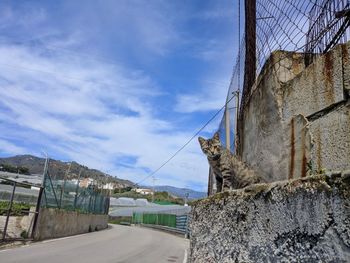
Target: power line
[
  {"x": 87, "y": 81},
  {"x": 181, "y": 148}
]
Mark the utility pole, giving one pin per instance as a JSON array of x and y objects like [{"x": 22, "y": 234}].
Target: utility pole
[
  {"x": 186, "y": 198},
  {"x": 249, "y": 65},
  {"x": 236, "y": 93},
  {"x": 250, "y": 52},
  {"x": 154, "y": 191},
  {"x": 227, "y": 125}
]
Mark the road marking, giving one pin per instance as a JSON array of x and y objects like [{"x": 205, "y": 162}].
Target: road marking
[
  {"x": 73, "y": 236},
  {"x": 48, "y": 241},
  {"x": 185, "y": 256},
  {"x": 62, "y": 238}
]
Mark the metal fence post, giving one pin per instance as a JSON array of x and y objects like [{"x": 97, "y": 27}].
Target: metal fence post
[
  {"x": 37, "y": 211},
  {"x": 89, "y": 208},
  {"x": 77, "y": 190},
  {"x": 53, "y": 190},
  {"x": 64, "y": 184},
  {"x": 94, "y": 207},
  {"x": 9, "y": 211},
  {"x": 187, "y": 226}
]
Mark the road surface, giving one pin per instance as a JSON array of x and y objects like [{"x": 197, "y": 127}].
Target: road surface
[{"x": 119, "y": 244}]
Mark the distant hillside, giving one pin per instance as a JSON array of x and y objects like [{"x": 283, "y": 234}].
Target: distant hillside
[
  {"x": 181, "y": 192},
  {"x": 59, "y": 168}
]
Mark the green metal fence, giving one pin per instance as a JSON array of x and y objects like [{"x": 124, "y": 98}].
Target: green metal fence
[
  {"x": 155, "y": 219},
  {"x": 137, "y": 218}
]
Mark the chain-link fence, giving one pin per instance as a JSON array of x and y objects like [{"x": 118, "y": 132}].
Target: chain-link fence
[
  {"x": 309, "y": 27},
  {"x": 69, "y": 195}
]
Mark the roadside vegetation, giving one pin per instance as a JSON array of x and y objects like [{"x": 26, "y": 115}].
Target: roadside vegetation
[{"x": 18, "y": 209}]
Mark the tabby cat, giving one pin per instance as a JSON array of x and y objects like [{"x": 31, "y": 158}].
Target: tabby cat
[{"x": 229, "y": 171}]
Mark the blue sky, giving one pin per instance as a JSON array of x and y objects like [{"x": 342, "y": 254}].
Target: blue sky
[{"x": 118, "y": 86}]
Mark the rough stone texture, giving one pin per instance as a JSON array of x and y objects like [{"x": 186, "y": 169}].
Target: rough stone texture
[
  {"x": 331, "y": 140},
  {"x": 264, "y": 147},
  {"x": 346, "y": 69},
  {"x": 294, "y": 115},
  {"x": 319, "y": 86},
  {"x": 53, "y": 223},
  {"x": 301, "y": 220}
]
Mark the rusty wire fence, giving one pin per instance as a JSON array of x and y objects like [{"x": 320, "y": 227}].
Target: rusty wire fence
[
  {"x": 19, "y": 209},
  {"x": 307, "y": 28}
]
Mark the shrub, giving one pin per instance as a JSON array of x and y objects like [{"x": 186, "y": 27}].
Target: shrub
[
  {"x": 18, "y": 209},
  {"x": 24, "y": 234}
]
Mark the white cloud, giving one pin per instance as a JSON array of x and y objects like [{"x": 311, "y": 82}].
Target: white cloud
[
  {"x": 211, "y": 97},
  {"x": 95, "y": 114},
  {"x": 10, "y": 148},
  {"x": 76, "y": 105}
]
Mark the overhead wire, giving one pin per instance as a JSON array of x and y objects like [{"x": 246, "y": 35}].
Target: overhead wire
[
  {"x": 183, "y": 147},
  {"x": 171, "y": 157}
]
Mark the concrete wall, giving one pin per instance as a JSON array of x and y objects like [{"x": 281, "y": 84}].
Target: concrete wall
[
  {"x": 53, "y": 223},
  {"x": 297, "y": 120},
  {"x": 301, "y": 220}
]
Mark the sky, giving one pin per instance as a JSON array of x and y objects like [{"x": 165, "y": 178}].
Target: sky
[{"x": 117, "y": 86}]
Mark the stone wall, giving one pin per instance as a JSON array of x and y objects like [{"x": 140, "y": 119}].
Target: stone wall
[
  {"x": 53, "y": 223},
  {"x": 301, "y": 220},
  {"x": 297, "y": 120}
]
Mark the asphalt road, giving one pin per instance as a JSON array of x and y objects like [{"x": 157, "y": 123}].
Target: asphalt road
[{"x": 117, "y": 244}]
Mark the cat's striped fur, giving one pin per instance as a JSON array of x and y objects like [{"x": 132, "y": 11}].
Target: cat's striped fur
[{"x": 229, "y": 171}]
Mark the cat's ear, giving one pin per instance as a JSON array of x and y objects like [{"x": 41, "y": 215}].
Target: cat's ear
[
  {"x": 216, "y": 137},
  {"x": 201, "y": 140}
]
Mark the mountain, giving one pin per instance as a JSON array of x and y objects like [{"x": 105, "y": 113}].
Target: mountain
[
  {"x": 58, "y": 169},
  {"x": 181, "y": 192}
]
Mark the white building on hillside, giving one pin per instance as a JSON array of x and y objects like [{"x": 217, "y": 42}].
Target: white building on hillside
[
  {"x": 86, "y": 182},
  {"x": 109, "y": 186},
  {"x": 144, "y": 191}
]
